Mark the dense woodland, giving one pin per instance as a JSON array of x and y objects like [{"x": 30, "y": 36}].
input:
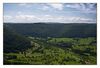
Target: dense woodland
[{"x": 50, "y": 44}]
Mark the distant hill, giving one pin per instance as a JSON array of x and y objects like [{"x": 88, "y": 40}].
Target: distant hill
[{"x": 53, "y": 29}]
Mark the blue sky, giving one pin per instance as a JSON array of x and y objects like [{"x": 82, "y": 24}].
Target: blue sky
[{"x": 50, "y": 12}]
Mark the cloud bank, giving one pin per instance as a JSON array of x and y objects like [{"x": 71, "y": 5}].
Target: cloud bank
[{"x": 47, "y": 18}]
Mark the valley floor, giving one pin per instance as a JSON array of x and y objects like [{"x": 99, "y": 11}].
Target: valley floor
[{"x": 56, "y": 51}]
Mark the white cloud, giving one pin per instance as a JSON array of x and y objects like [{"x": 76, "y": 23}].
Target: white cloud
[
  {"x": 76, "y": 6},
  {"x": 47, "y": 18},
  {"x": 79, "y": 6},
  {"x": 45, "y": 8},
  {"x": 7, "y": 18},
  {"x": 19, "y": 12},
  {"x": 85, "y": 8},
  {"x": 57, "y": 6},
  {"x": 25, "y": 18},
  {"x": 24, "y": 5}
]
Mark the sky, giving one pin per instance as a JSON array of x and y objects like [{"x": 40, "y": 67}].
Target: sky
[{"x": 50, "y": 12}]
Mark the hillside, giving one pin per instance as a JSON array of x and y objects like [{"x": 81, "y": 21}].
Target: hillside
[
  {"x": 50, "y": 44},
  {"x": 14, "y": 42},
  {"x": 53, "y": 29}
]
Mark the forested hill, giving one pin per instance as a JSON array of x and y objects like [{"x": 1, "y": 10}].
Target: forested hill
[
  {"x": 14, "y": 42},
  {"x": 53, "y": 29}
]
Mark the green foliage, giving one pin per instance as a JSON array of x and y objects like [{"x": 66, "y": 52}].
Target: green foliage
[
  {"x": 61, "y": 40},
  {"x": 44, "y": 53},
  {"x": 50, "y": 44}
]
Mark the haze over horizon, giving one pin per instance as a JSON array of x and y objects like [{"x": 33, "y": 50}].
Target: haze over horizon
[{"x": 50, "y": 12}]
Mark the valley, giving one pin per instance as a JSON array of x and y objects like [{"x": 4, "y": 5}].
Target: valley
[{"x": 50, "y": 44}]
